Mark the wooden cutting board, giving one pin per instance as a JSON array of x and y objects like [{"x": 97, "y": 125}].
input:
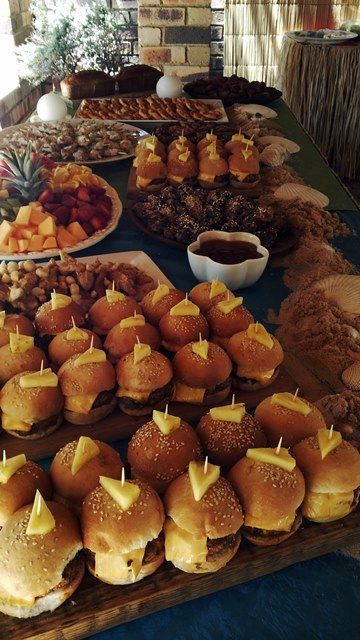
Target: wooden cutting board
[{"x": 97, "y": 606}]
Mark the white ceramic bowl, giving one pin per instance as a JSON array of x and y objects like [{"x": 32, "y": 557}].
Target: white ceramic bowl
[{"x": 242, "y": 274}]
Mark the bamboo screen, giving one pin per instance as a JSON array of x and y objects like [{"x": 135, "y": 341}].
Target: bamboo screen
[{"x": 254, "y": 30}]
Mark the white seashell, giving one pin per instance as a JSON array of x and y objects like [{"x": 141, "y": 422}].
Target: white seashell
[
  {"x": 344, "y": 290},
  {"x": 253, "y": 109},
  {"x": 351, "y": 377},
  {"x": 290, "y": 145},
  {"x": 274, "y": 155},
  {"x": 293, "y": 191}
]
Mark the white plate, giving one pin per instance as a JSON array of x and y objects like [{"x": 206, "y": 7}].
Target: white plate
[
  {"x": 138, "y": 259},
  {"x": 333, "y": 36},
  {"x": 217, "y": 104},
  {"x": 26, "y": 126},
  {"x": 84, "y": 244}
]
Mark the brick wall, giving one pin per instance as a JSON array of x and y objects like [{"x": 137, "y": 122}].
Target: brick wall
[
  {"x": 128, "y": 11},
  {"x": 217, "y": 37},
  {"x": 175, "y": 35}
]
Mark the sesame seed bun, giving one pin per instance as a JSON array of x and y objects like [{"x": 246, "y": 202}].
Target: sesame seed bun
[
  {"x": 270, "y": 497},
  {"x": 154, "y": 312},
  {"x": 187, "y": 170},
  {"x": 213, "y": 167},
  {"x": 200, "y": 295},
  {"x": 226, "y": 442},
  {"x": 147, "y": 377},
  {"x": 104, "y": 315},
  {"x": 20, "y": 489},
  {"x": 250, "y": 355},
  {"x": 13, "y": 320},
  {"x": 50, "y": 323},
  {"x": 71, "y": 490},
  {"x": 60, "y": 349},
  {"x": 293, "y": 426},
  {"x": 158, "y": 458},
  {"x": 194, "y": 371},
  {"x": 224, "y": 325},
  {"x": 13, "y": 363},
  {"x": 48, "y": 556},
  {"x": 177, "y": 331},
  {"x": 106, "y": 527},
  {"x": 121, "y": 341}
]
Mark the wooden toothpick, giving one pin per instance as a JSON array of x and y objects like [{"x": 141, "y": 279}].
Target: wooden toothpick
[
  {"x": 233, "y": 401},
  {"x": 42, "y": 367},
  {"x": 92, "y": 344},
  {"x": 122, "y": 476},
  {"x": 331, "y": 431},
  {"x": 206, "y": 465},
  {"x": 4, "y": 458},
  {"x": 38, "y": 504},
  {"x": 296, "y": 393},
  {"x": 73, "y": 322},
  {"x": 17, "y": 331},
  {"x": 166, "y": 411},
  {"x": 200, "y": 338},
  {"x": 277, "y": 450}
]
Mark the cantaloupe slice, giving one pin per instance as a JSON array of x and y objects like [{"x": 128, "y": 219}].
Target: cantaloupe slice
[
  {"x": 23, "y": 244},
  {"x": 23, "y": 215},
  {"x": 6, "y": 229},
  {"x": 47, "y": 227},
  {"x": 65, "y": 239},
  {"x": 36, "y": 243},
  {"x": 37, "y": 217},
  {"x": 28, "y": 232},
  {"x": 76, "y": 230},
  {"x": 50, "y": 243},
  {"x": 13, "y": 245}
]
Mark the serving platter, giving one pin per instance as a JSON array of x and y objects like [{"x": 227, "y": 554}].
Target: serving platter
[{"x": 322, "y": 36}]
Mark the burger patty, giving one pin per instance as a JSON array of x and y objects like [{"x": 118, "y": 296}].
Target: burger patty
[
  {"x": 252, "y": 177},
  {"x": 267, "y": 533},
  {"x": 70, "y": 572},
  {"x": 249, "y": 380},
  {"x": 355, "y": 502},
  {"x": 152, "y": 551},
  {"x": 155, "y": 396},
  {"x": 218, "y": 387},
  {"x": 218, "y": 546},
  {"x": 38, "y": 427},
  {"x": 103, "y": 398}
]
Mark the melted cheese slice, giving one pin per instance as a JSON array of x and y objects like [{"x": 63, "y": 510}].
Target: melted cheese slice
[
  {"x": 135, "y": 395},
  {"x": 241, "y": 175},
  {"x": 80, "y": 403},
  {"x": 261, "y": 376},
  {"x": 283, "y": 524},
  {"x": 325, "y": 507},
  {"x": 142, "y": 182},
  {"x": 160, "y": 292},
  {"x": 19, "y": 343},
  {"x": 13, "y": 424},
  {"x": 178, "y": 179},
  {"x": 180, "y": 545},
  {"x": 11, "y": 466},
  {"x": 183, "y": 393},
  {"x": 119, "y": 567},
  {"x": 76, "y": 334},
  {"x": 207, "y": 177},
  {"x": 8, "y": 599},
  {"x": 132, "y": 321}
]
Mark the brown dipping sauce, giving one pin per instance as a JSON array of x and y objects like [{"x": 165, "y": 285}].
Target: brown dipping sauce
[{"x": 228, "y": 252}]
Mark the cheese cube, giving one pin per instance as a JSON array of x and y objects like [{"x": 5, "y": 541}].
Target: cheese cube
[
  {"x": 77, "y": 231},
  {"x": 47, "y": 227}
]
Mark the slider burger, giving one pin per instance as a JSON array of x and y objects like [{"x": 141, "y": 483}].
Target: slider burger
[
  {"x": 182, "y": 169},
  {"x": 41, "y": 561},
  {"x": 148, "y": 145},
  {"x": 180, "y": 143},
  {"x": 285, "y": 414},
  {"x": 151, "y": 173},
  {"x": 77, "y": 467},
  {"x": 19, "y": 481},
  {"x": 331, "y": 468},
  {"x": 19, "y": 355},
  {"x": 201, "y": 373},
  {"x": 244, "y": 170},
  {"x": 144, "y": 377},
  {"x": 211, "y": 148},
  {"x": 182, "y": 324},
  {"x": 122, "y": 523},
  {"x": 226, "y": 433},
  {"x": 203, "y": 520},
  {"x": 210, "y": 138},
  {"x": 88, "y": 383},
  {"x": 31, "y": 404},
  {"x": 227, "y": 317},
  {"x": 161, "y": 450},
  {"x": 68, "y": 343},
  {"x": 238, "y": 143},
  {"x": 271, "y": 489},
  {"x": 207, "y": 294},
  {"x": 257, "y": 355},
  {"x": 213, "y": 171},
  {"x": 108, "y": 310},
  {"x": 122, "y": 338},
  {"x": 8, "y": 324},
  {"x": 159, "y": 301},
  {"x": 57, "y": 315}
]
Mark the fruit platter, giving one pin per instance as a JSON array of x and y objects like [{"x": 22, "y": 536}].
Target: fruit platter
[{"x": 46, "y": 207}]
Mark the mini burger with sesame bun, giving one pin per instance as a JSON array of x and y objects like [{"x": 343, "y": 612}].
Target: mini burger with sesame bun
[
  {"x": 151, "y": 173},
  {"x": 180, "y": 143},
  {"x": 213, "y": 170},
  {"x": 271, "y": 489},
  {"x": 161, "y": 450},
  {"x": 244, "y": 170},
  {"x": 20, "y": 354},
  {"x": 77, "y": 467},
  {"x": 239, "y": 143},
  {"x": 88, "y": 383},
  {"x": 110, "y": 309},
  {"x": 122, "y": 525},
  {"x": 159, "y": 301},
  {"x": 226, "y": 317},
  {"x": 183, "y": 169},
  {"x": 20, "y": 479},
  {"x": 331, "y": 468},
  {"x": 203, "y": 519},
  {"x": 41, "y": 561},
  {"x": 31, "y": 403},
  {"x": 57, "y": 315},
  {"x": 209, "y": 139},
  {"x": 256, "y": 355},
  {"x": 145, "y": 383},
  {"x": 227, "y": 432},
  {"x": 70, "y": 342},
  {"x": 201, "y": 373},
  {"x": 146, "y": 146},
  {"x": 122, "y": 338},
  {"x": 13, "y": 323},
  {"x": 182, "y": 324},
  {"x": 285, "y": 414},
  {"x": 207, "y": 294}
]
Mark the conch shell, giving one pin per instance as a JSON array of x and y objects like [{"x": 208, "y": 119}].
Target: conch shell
[{"x": 274, "y": 155}]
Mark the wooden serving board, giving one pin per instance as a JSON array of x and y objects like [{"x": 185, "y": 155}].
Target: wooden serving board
[
  {"x": 97, "y": 606},
  {"x": 118, "y": 425}
]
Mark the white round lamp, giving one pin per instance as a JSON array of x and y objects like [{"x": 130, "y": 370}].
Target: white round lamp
[
  {"x": 169, "y": 87},
  {"x": 51, "y": 107}
]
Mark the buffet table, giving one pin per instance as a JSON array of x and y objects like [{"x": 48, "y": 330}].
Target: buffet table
[{"x": 318, "y": 598}]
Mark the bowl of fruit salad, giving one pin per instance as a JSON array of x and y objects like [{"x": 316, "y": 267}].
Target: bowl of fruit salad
[{"x": 46, "y": 208}]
